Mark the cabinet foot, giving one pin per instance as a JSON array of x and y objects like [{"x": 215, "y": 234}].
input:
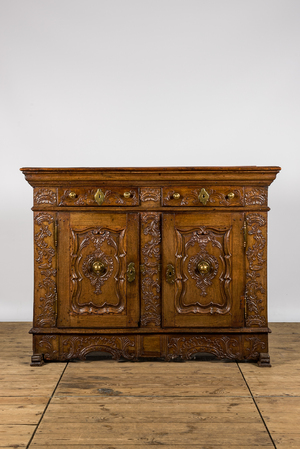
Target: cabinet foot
[
  {"x": 37, "y": 360},
  {"x": 264, "y": 359}
]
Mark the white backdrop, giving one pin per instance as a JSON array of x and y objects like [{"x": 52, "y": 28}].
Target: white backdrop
[{"x": 149, "y": 83}]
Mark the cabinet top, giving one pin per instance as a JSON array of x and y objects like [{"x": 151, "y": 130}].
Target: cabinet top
[{"x": 155, "y": 175}]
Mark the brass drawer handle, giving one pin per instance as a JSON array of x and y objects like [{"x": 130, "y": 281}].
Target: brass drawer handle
[
  {"x": 98, "y": 267},
  {"x": 176, "y": 196},
  {"x": 230, "y": 196},
  {"x": 72, "y": 195},
  {"x": 203, "y": 267},
  {"x": 130, "y": 272},
  {"x": 127, "y": 195}
]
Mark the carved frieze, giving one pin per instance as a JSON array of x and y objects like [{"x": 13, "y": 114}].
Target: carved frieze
[
  {"x": 45, "y": 196},
  {"x": 88, "y": 250},
  {"x": 223, "y": 347},
  {"x": 213, "y": 250},
  {"x": 218, "y": 196},
  {"x": 149, "y": 194},
  {"x": 86, "y": 197},
  {"x": 46, "y": 293},
  {"x": 255, "y": 283},
  {"x": 150, "y": 269},
  {"x": 256, "y": 196},
  {"x": 77, "y": 347}
]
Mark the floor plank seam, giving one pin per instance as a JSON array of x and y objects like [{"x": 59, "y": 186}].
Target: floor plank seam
[
  {"x": 269, "y": 433},
  {"x": 48, "y": 403}
]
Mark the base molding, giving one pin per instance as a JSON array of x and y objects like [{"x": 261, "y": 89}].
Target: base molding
[{"x": 62, "y": 347}]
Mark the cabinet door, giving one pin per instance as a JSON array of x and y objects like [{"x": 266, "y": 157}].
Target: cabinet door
[
  {"x": 203, "y": 270},
  {"x": 98, "y": 270}
]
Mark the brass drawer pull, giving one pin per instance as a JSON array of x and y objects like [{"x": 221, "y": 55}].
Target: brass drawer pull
[
  {"x": 176, "y": 196},
  {"x": 230, "y": 196},
  {"x": 203, "y": 267},
  {"x": 127, "y": 195},
  {"x": 72, "y": 195},
  {"x": 98, "y": 267}
]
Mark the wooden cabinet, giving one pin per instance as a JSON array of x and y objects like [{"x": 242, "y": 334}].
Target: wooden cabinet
[{"x": 150, "y": 262}]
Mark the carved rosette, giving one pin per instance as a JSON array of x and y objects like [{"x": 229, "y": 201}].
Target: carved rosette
[
  {"x": 87, "y": 249},
  {"x": 257, "y": 196},
  {"x": 150, "y": 258},
  {"x": 256, "y": 270},
  {"x": 77, "y": 347},
  {"x": 186, "y": 266},
  {"x": 46, "y": 293},
  {"x": 148, "y": 194},
  {"x": 45, "y": 196}
]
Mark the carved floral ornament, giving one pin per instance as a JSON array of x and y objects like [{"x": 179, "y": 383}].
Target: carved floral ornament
[
  {"x": 256, "y": 260},
  {"x": 150, "y": 286},
  {"x": 47, "y": 272},
  {"x": 45, "y": 196}
]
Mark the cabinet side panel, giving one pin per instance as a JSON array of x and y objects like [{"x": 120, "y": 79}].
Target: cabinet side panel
[
  {"x": 45, "y": 289},
  {"x": 256, "y": 270}
]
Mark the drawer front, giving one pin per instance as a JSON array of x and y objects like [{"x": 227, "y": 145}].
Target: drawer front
[
  {"x": 102, "y": 196},
  {"x": 203, "y": 196}
]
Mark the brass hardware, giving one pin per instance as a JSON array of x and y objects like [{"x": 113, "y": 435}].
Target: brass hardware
[
  {"x": 127, "y": 195},
  {"x": 230, "y": 195},
  {"x": 55, "y": 233},
  {"x": 203, "y": 196},
  {"x": 245, "y": 233},
  {"x": 176, "y": 196},
  {"x": 98, "y": 267},
  {"x": 203, "y": 267},
  {"x": 170, "y": 274},
  {"x": 130, "y": 272},
  {"x": 99, "y": 197},
  {"x": 72, "y": 195}
]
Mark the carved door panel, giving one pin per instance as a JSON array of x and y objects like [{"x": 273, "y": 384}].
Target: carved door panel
[
  {"x": 98, "y": 254},
  {"x": 203, "y": 270}
]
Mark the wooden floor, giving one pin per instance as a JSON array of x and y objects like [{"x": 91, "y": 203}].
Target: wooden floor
[{"x": 110, "y": 405}]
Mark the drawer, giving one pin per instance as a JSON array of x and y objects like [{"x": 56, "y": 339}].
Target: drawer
[
  {"x": 203, "y": 196},
  {"x": 102, "y": 196}
]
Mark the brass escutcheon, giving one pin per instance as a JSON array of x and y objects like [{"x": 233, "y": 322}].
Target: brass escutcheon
[
  {"x": 98, "y": 267},
  {"x": 203, "y": 196},
  {"x": 170, "y": 274},
  {"x": 99, "y": 197},
  {"x": 130, "y": 272},
  {"x": 203, "y": 267}
]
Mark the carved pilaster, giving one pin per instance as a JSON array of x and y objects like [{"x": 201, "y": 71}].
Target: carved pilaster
[
  {"x": 45, "y": 272},
  {"x": 256, "y": 266},
  {"x": 150, "y": 269}
]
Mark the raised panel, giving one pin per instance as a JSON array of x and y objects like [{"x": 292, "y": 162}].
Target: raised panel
[
  {"x": 102, "y": 249},
  {"x": 209, "y": 272}
]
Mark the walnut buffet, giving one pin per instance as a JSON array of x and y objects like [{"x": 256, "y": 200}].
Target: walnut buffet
[{"x": 150, "y": 262}]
